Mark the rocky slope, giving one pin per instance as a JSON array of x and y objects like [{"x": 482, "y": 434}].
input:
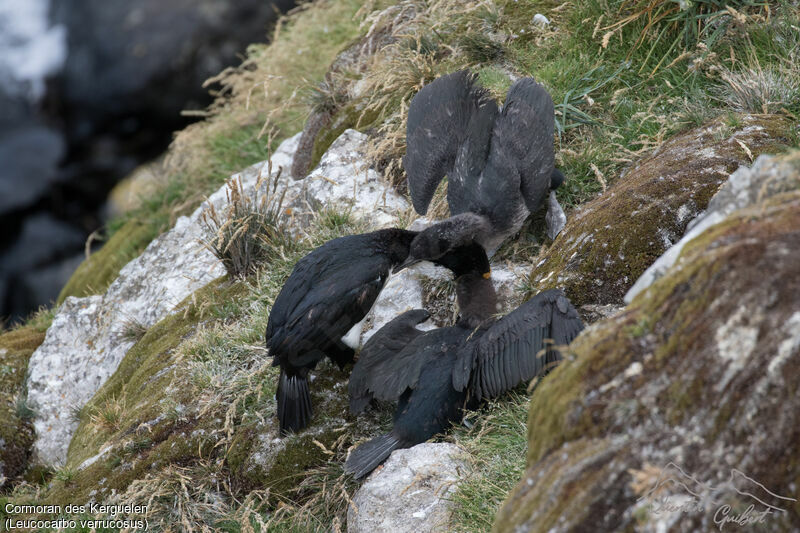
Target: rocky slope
[
  {"x": 151, "y": 385},
  {"x": 678, "y": 413}
]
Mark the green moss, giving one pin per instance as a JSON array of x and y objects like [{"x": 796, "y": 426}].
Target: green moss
[
  {"x": 95, "y": 274},
  {"x": 16, "y": 431},
  {"x": 146, "y": 370},
  {"x": 599, "y": 255},
  {"x": 578, "y": 405},
  {"x": 352, "y": 116}
]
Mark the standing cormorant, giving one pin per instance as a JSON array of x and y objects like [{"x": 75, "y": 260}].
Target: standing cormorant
[
  {"x": 329, "y": 291},
  {"x": 499, "y": 163},
  {"x": 439, "y": 373}
]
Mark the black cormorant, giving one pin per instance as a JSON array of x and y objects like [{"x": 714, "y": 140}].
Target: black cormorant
[
  {"x": 464, "y": 262},
  {"x": 439, "y": 373},
  {"x": 329, "y": 291},
  {"x": 499, "y": 163}
]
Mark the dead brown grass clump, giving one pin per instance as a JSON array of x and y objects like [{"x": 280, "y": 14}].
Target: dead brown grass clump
[{"x": 251, "y": 230}]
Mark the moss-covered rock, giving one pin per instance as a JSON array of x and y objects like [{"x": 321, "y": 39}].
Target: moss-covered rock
[
  {"x": 138, "y": 422},
  {"x": 610, "y": 241},
  {"x": 698, "y": 377},
  {"x": 99, "y": 270},
  {"x": 16, "y": 431}
]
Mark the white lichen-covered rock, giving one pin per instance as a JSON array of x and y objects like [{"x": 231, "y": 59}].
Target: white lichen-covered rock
[
  {"x": 410, "y": 493},
  {"x": 341, "y": 180},
  {"x": 768, "y": 176},
  {"x": 87, "y": 340}
]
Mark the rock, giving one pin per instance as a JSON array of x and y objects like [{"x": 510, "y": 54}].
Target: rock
[
  {"x": 146, "y": 59},
  {"x": 43, "y": 238},
  {"x": 540, "y": 20},
  {"x": 600, "y": 253},
  {"x": 45, "y": 245},
  {"x": 87, "y": 339},
  {"x": 116, "y": 78},
  {"x": 692, "y": 388},
  {"x": 340, "y": 180},
  {"x": 30, "y": 156},
  {"x": 767, "y": 177},
  {"x": 36, "y": 287},
  {"x": 410, "y": 492},
  {"x": 30, "y": 48}
]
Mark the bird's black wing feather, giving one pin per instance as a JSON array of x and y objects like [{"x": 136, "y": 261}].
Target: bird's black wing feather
[
  {"x": 522, "y": 142},
  {"x": 401, "y": 372},
  {"x": 566, "y": 324},
  {"x": 330, "y": 313},
  {"x": 438, "y": 121},
  {"x": 304, "y": 325},
  {"x": 517, "y": 348},
  {"x": 386, "y": 343},
  {"x": 320, "y": 263}
]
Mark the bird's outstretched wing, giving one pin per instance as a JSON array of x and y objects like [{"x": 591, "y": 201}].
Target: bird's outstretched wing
[
  {"x": 522, "y": 142},
  {"x": 438, "y": 122},
  {"x": 378, "y": 350},
  {"x": 517, "y": 347},
  {"x": 389, "y": 381}
]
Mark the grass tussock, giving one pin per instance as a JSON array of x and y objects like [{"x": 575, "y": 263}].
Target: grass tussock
[{"x": 252, "y": 229}]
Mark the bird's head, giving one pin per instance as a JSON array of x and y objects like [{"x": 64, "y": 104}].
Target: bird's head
[
  {"x": 438, "y": 240},
  {"x": 429, "y": 245}
]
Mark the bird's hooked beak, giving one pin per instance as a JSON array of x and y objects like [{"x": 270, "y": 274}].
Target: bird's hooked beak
[{"x": 410, "y": 261}]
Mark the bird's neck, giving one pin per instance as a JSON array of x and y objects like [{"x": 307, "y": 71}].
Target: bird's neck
[
  {"x": 477, "y": 300},
  {"x": 397, "y": 242}
]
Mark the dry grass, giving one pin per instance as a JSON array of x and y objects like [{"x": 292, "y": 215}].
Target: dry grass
[
  {"x": 133, "y": 330},
  {"x": 109, "y": 416},
  {"x": 252, "y": 229},
  {"x": 757, "y": 90},
  {"x": 181, "y": 498}
]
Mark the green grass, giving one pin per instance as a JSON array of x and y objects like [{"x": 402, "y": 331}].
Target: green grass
[{"x": 497, "y": 443}]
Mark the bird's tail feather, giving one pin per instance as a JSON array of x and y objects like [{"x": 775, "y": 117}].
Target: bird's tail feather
[
  {"x": 294, "y": 403},
  {"x": 366, "y": 457}
]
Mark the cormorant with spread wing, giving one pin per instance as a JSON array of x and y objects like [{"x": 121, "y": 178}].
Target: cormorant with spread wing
[
  {"x": 499, "y": 163},
  {"x": 435, "y": 375}
]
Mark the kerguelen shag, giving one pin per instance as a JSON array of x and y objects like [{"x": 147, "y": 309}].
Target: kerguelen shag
[
  {"x": 329, "y": 291},
  {"x": 435, "y": 375},
  {"x": 499, "y": 163}
]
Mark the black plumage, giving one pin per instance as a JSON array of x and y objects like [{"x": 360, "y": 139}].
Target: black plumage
[
  {"x": 393, "y": 346},
  {"x": 329, "y": 291},
  {"x": 395, "y": 336},
  {"x": 441, "y": 372},
  {"x": 499, "y": 163}
]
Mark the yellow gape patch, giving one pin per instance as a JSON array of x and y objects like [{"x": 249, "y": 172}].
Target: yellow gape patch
[{"x": 487, "y": 275}]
